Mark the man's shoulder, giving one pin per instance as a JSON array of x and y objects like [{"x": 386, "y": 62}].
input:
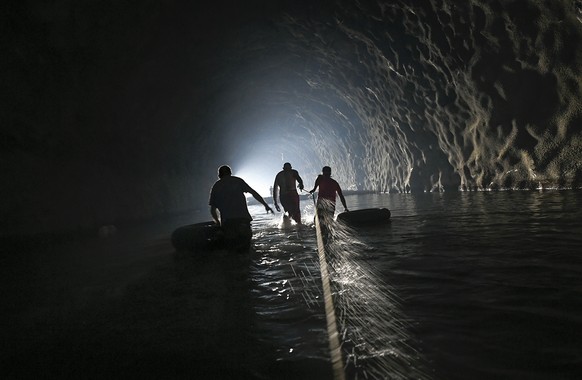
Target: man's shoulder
[
  {"x": 229, "y": 178},
  {"x": 225, "y": 181},
  {"x": 241, "y": 182}
]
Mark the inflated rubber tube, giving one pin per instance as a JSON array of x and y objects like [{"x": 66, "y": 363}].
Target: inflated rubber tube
[
  {"x": 367, "y": 216},
  {"x": 204, "y": 236}
]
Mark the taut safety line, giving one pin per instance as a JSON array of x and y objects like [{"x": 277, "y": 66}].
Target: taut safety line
[{"x": 333, "y": 335}]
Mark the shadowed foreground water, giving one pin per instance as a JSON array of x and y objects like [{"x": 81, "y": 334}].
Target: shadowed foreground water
[{"x": 458, "y": 286}]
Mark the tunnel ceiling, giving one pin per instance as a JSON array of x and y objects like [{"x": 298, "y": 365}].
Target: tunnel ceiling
[{"x": 115, "y": 110}]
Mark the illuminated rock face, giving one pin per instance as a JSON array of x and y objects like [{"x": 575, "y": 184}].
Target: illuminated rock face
[
  {"x": 119, "y": 114},
  {"x": 447, "y": 94}
]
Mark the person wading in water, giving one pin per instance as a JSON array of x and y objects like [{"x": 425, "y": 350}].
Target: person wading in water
[
  {"x": 286, "y": 180},
  {"x": 328, "y": 190},
  {"x": 227, "y": 196}
]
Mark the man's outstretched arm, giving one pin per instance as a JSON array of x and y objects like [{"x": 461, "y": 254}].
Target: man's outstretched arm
[
  {"x": 341, "y": 195},
  {"x": 258, "y": 197},
  {"x": 275, "y": 193},
  {"x": 316, "y": 184},
  {"x": 299, "y": 180}
]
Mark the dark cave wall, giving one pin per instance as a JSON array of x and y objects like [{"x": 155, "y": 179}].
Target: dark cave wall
[{"x": 119, "y": 112}]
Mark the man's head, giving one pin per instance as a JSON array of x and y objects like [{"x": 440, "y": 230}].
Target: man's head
[
  {"x": 326, "y": 170},
  {"x": 224, "y": 171},
  {"x": 286, "y": 166}
]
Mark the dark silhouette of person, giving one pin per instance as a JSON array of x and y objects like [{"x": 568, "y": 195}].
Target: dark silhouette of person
[
  {"x": 227, "y": 196},
  {"x": 328, "y": 190},
  {"x": 286, "y": 180}
]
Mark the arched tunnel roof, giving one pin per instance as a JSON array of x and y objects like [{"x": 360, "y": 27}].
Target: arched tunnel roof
[{"x": 112, "y": 109}]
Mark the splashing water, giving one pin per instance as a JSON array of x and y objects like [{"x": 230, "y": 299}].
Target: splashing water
[
  {"x": 373, "y": 330},
  {"x": 467, "y": 285}
]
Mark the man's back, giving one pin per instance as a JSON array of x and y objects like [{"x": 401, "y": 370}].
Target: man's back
[
  {"x": 227, "y": 195},
  {"x": 286, "y": 180},
  {"x": 328, "y": 187}
]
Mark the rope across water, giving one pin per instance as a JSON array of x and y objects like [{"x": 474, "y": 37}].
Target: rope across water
[{"x": 332, "y": 331}]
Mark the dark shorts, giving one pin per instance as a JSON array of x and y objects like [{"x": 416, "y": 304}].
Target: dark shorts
[
  {"x": 290, "y": 202},
  {"x": 237, "y": 234}
]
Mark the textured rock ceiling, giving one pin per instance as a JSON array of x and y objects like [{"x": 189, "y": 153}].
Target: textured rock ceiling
[{"x": 120, "y": 111}]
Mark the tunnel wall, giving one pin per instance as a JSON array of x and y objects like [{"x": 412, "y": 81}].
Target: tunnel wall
[{"x": 114, "y": 113}]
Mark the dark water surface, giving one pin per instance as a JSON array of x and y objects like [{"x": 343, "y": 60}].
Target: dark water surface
[{"x": 483, "y": 285}]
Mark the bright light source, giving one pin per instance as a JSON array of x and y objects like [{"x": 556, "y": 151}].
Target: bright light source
[
  {"x": 258, "y": 158},
  {"x": 259, "y": 179}
]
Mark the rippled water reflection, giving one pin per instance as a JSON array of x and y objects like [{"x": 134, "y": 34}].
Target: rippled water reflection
[{"x": 459, "y": 286}]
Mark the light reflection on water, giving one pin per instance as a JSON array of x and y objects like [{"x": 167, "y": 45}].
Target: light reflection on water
[
  {"x": 287, "y": 288},
  {"x": 464, "y": 285}
]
